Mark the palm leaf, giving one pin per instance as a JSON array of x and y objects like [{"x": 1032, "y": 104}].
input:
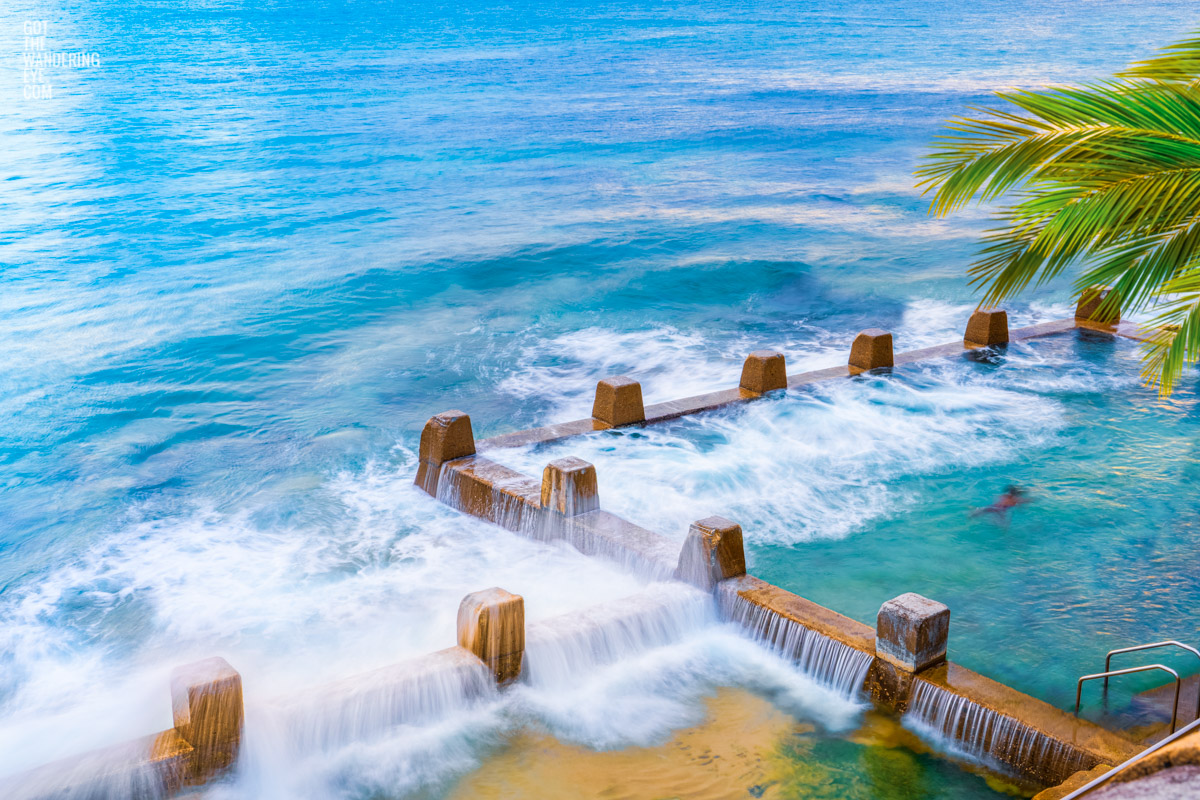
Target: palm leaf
[
  {"x": 1175, "y": 342},
  {"x": 1105, "y": 180},
  {"x": 1178, "y": 63}
]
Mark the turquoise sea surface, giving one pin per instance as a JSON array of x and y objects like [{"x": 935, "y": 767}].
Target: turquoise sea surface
[{"x": 249, "y": 248}]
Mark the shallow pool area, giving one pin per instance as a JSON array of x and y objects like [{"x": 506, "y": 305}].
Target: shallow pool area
[{"x": 745, "y": 747}]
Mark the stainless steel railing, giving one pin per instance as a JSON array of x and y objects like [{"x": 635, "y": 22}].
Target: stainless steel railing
[
  {"x": 1129, "y": 671},
  {"x": 1096, "y": 783},
  {"x": 1168, "y": 643}
]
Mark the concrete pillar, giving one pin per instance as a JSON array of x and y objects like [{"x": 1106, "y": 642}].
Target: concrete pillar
[
  {"x": 491, "y": 624},
  {"x": 569, "y": 487},
  {"x": 987, "y": 328},
  {"x": 619, "y": 401},
  {"x": 446, "y": 436},
  {"x": 206, "y": 700},
  {"x": 872, "y": 349},
  {"x": 1090, "y": 300},
  {"x": 764, "y": 371},
  {"x": 890, "y": 686},
  {"x": 911, "y": 632},
  {"x": 711, "y": 553}
]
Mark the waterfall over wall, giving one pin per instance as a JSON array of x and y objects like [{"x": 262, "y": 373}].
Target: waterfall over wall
[
  {"x": 367, "y": 706},
  {"x": 995, "y": 738},
  {"x": 559, "y": 648},
  {"x": 493, "y": 492},
  {"x": 827, "y": 661},
  {"x": 137, "y": 770}
]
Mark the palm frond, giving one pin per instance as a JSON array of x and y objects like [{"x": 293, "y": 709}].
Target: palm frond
[
  {"x": 1175, "y": 342},
  {"x": 1108, "y": 130},
  {"x": 1105, "y": 180},
  {"x": 1137, "y": 270},
  {"x": 1178, "y": 63}
]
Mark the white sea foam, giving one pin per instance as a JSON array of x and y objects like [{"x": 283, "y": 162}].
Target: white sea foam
[
  {"x": 89, "y": 646},
  {"x": 823, "y": 462},
  {"x": 618, "y": 674},
  {"x": 294, "y": 608},
  {"x": 668, "y": 362}
]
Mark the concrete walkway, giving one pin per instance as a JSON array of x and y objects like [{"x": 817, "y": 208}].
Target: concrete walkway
[{"x": 1169, "y": 784}]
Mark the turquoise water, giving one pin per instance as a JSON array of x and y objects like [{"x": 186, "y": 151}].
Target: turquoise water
[
  {"x": 853, "y": 492},
  {"x": 244, "y": 257}
]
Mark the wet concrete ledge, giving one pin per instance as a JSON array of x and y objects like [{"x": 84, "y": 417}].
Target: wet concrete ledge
[
  {"x": 1171, "y": 771},
  {"x": 206, "y": 699},
  {"x": 1092, "y": 744},
  {"x": 490, "y": 491},
  {"x": 1042, "y": 743},
  {"x": 673, "y": 409},
  {"x": 818, "y": 618},
  {"x": 1085, "y": 744},
  {"x": 148, "y": 768}
]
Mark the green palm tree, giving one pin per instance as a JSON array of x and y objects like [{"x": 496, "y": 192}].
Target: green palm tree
[{"x": 1105, "y": 180}]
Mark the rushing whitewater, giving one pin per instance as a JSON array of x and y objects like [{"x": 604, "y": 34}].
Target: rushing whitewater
[
  {"x": 827, "y": 459},
  {"x": 560, "y": 649},
  {"x": 620, "y": 673},
  {"x": 827, "y": 661}
]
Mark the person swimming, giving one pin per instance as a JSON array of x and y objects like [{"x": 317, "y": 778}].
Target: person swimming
[{"x": 1013, "y": 496}]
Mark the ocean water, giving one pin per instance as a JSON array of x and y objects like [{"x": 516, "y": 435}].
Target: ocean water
[{"x": 250, "y": 248}]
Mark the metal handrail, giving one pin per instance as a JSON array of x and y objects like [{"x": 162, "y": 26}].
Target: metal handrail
[
  {"x": 1096, "y": 783},
  {"x": 1168, "y": 643},
  {"x": 1128, "y": 671}
]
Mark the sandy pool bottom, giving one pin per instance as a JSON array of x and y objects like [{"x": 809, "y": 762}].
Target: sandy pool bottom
[{"x": 746, "y": 748}]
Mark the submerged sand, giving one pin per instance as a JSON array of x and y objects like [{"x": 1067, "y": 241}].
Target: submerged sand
[{"x": 746, "y": 747}]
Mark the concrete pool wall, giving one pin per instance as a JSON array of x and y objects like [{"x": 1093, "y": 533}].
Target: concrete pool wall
[
  {"x": 899, "y": 665},
  {"x": 209, "y": 711},
  {"x": 207, "y": 707},
  {"x": 980, "y": 717},
  {"x": 764, "y": 371}
]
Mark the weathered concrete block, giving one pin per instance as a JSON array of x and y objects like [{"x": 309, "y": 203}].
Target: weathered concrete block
[
  {"x": 206, "y": 700},
  {"x": 712, "y": 552},
  {"x": 890, "y": 686},
  {"x": 445, "y": 437},
  {"x": 911, "y": 632},
  {"x": 872, "y": 349},
  {"x": 987, "y": 328},
  {"x": 491, "y": 624},
  {"x": 1090, "y": 300},
  {"x": 764, "y": 371},
  {"x": 619, "y": 401},
  {"x": 569, "y": 487}
]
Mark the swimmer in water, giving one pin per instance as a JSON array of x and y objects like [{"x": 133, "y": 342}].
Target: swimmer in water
[{"x": 1013, "y": 496}]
